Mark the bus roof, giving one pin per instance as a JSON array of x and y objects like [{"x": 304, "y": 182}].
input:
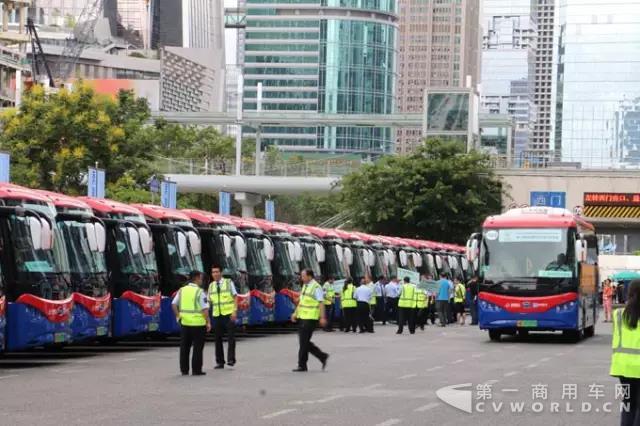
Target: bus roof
[
  {"x": 161, "y": 213},
  {"x": 207, "y": 217},
  {"x": 106, "y": 206},
  {"x": 368, "y": 238},
  {"x": 62, "y": 200},
  {"x": 536, "y": 217},
  {"x": 299, "y": 230},
  {"x": 268, "y": 226},
  {"x": 241, "y": 223},
  {"x": 320, "y": 232},
  {"x": 347, "y": 235},
  {"x": 15, "y": 192}
]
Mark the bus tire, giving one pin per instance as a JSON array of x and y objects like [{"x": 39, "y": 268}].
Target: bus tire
[
  {"x": 572, "y": 335},
  {"x": 494, "y": 335},
  {"x": 523, "y": 333},
  {"x": 590, "y": 331}
]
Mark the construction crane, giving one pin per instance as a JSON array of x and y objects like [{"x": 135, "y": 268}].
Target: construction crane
[
  {"x": 82, "y": 37},
  {"x": 39, "y": 61}
]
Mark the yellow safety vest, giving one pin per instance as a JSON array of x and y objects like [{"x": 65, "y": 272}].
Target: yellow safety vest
[
  {"x": 625, "y": 359},
  {"x": 347, "y": 300},
  {"x": 459, "y": 293},
  {"x": 421, "y": 299},
  {"x": 372, "y": 300},
  {"x": 189, "y": 308},
  {"x": 407, "y": 296},
  {"x": 221, "y": 298},
  {"x": 329, "y": 293},
  {"x": 308, "y": 307}
]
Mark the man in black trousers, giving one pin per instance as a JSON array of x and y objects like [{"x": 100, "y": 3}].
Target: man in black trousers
[{"x": 192, "y": 313}]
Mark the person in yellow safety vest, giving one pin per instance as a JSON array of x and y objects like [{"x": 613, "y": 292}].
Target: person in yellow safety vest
[
  {"x": 459, "y": 292},
  {"x": 421, "y": 307},
  {"x": 309, "y": 312},
  {"x": 191, "y": 309},
  {"x": 407, "y": 306},
  {"x": 625, "y": 359},
  {"x": 222, "y": 296},
  {"x": 349, "y": 306},
  {"x": 329, "y": 302}
]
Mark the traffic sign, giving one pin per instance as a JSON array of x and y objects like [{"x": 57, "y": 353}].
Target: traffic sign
[
  {"x": 548, "y": 199},
  {"x": 168, "y": 194},
  {"x": 5, "y": 166},
  {"x": 270, "y": 210},
  {"x": 95, "y": 183},
  {"x": 224, "y": 203}
]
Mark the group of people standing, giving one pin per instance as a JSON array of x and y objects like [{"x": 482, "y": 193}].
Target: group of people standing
[{"x": 402, "y": 302}]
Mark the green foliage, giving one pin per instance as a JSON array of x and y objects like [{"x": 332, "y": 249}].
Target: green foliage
[
  {"x": 439, "y": 193},
  {"x": 307, "y": 209}
]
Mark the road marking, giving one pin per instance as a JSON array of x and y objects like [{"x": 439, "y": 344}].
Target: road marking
[
  {"x": 407, "y": 376},
  {"x": 376, "y": 385},
  {"x": 477, "y": 355},
  {"x": 318, "y": 401},
  {"x": 490, "y": 382},
  {"x": 457, "y": 361},
  {"x": 510, "y": 373},
  {"x": 81, "y": 361},
  {"x": 390, "y": 422},
  {"x": 560, "y": 354},
  {"x": 545, "y": 359},
  {"x": 279, "y": 413},
  {"x": 8, "y": 376},
  {"x": 534, "y": 365},
  {"x": 429, "y": 406},
  {"x": 68, "y": 370},
  {"x": 129, "y": 359},
  {"x": 437, "y": 367}
]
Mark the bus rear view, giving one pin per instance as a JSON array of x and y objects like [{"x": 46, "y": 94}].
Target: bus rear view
[{"x": 538, "y": 272}]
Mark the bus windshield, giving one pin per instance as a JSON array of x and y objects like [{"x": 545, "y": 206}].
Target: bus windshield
[
  {"x": 358, "y": 266},
  {"x": 283, "y": 258},
  {"x": 181, "y": 258},
  {"x": 310, "y": 259},
  {"x": 82, "y": 260},
  {"x": 257, "y": 263},
  {"x": 379, "y": 266},
  {"x": 130, "y": 258},
  {"x": 333, "y": 263},
  {"x": 527, "y": 259}
]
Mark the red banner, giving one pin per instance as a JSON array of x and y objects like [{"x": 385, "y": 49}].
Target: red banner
[
  {"x": 53, "y": 310},
  {"x": 293, "y": 295},
  {"x": 150, "y": 304},
  {"x": 611, "y": 199},
  {"x": 267, "y": 299},
  {"x": 99, "y": 307},
  {"x": 243, "y": 301}
]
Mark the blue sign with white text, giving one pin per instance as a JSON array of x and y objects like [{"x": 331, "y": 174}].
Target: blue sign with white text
[
  {"x": 96, "y": 183},
  {"x": 548, "y": 199},
  {"x": 5, "y": 165},
  {"x": 169, "y": 194},
  {"x": 224, "y": 203},
  {"x": 270, "y": 210}
]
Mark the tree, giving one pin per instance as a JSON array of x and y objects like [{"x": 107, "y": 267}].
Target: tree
[
  {"x": 53, "y": 138},
  {"x": 440, "y": 193}
]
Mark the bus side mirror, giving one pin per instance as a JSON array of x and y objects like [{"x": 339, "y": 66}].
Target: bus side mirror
[
  {"x": 226, "y": 245},
  {"x": 101, "y": 236},
  {"x": 473, "y": 247},
  {"x": 268, "y": 249},
  {"x": 47, "y": 235},
  {"x": 35, "y": 228},
  {"x": 581, "y": 250},
  {"x": 403, "y": 258},
  {"x": 91, "y": 236},
  {"x": 241, "y": 246},
  {"x": 145, "y": 240},
  {"x": 320, "y": 254},
  {"x": 297, "y": 250},
  {"x": 134, "y": 240},
  {"x": 194, "y": 242}
]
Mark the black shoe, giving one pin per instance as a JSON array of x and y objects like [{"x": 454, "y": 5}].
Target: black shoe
[
  {"x": 200, "y": 373},
  {"x": 299, "y": 370},
  {"x": 324, "y": 362},
  {"x": 218, "y": 367},
  {"x": 185, "y": 374},
  {"x": 412, "y": 332},
  {"x": 422, "y": 327},
  {"x": 398, "y": 332},
  {"x": 371, "y": 331},
  {"x": 231, "y": 363}
]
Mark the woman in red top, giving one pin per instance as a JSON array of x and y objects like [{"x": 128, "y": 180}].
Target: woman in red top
[{"x": 607, "y": 299}]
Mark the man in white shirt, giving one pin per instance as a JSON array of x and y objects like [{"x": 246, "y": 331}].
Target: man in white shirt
[
  {"x": 380, "y": 313},
  {"x": 392, "y": 291},
  {"x": 363, "y": 295}
]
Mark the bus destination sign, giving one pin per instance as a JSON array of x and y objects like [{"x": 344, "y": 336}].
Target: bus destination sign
[{"x": 611, "y": 199}]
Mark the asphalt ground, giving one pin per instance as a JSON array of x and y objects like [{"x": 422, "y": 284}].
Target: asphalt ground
[{"x": 372, "y": 379}]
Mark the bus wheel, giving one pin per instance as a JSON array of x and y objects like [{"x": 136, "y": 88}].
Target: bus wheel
[
  {"x": 572, "y": 335},
  {"x": 523, "y": 333},
  {"x": 494, "y": 335},
  {"x": 590, "y": 331}
]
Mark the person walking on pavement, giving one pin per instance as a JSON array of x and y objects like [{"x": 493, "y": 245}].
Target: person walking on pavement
[
  {"x": 380, "y": 313},
  {"x": 222, "y": 296},
  {"x": 459, "y": 294},
  {"x": 442, "y": 299},
  {"x": 407, "y": 306},
  {"x": 329, "y": 302},
  {"x": 373, "y": 301},
  {"x": 309, "y": 313},
  {"x": 625, "y": 359},
  {"x": 392, "y": 292},
  {"x": 431, "y": 307},
  {"x": 192, "y": 313},
  {"x": 421, "y": 308},
  {"x": 349, "y": 305},
  {"x": 607, "y": 299},
  {"x": 451, "y": 312},
  {"x": 472, "y": 286},
  {"x": 363, "y": 295}
]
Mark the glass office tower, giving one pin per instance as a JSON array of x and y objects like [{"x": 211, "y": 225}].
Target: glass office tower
[{"x": 325, "y": 56}]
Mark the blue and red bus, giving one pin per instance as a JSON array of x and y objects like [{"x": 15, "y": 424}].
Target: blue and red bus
[
  {"x": 259, "y": 252},
  {"x": 224, "y": 246},
  {"x": 178, "y": 252},
  {"x": 36, "y": 296},
  {"x": 538, "y": 272},
  {"x": 133, "y": 277},
  {"x": 85, "y": 238}
]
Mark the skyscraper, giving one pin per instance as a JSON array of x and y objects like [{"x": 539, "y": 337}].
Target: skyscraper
[
  {"x": 329, "y": 56},
  {"x": 438, "y": 47},
  {"x": 187, "y": 23},
  {"x": 508, "y": 65},
  {"x": 599, "y": 83}
]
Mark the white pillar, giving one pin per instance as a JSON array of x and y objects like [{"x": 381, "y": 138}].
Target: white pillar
[
  {"x": 258, "y": 138},
  {"x": 239, "y": 132},
  {"x": 248, "y": 202},
  {"x": 18, "y": 97}
]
